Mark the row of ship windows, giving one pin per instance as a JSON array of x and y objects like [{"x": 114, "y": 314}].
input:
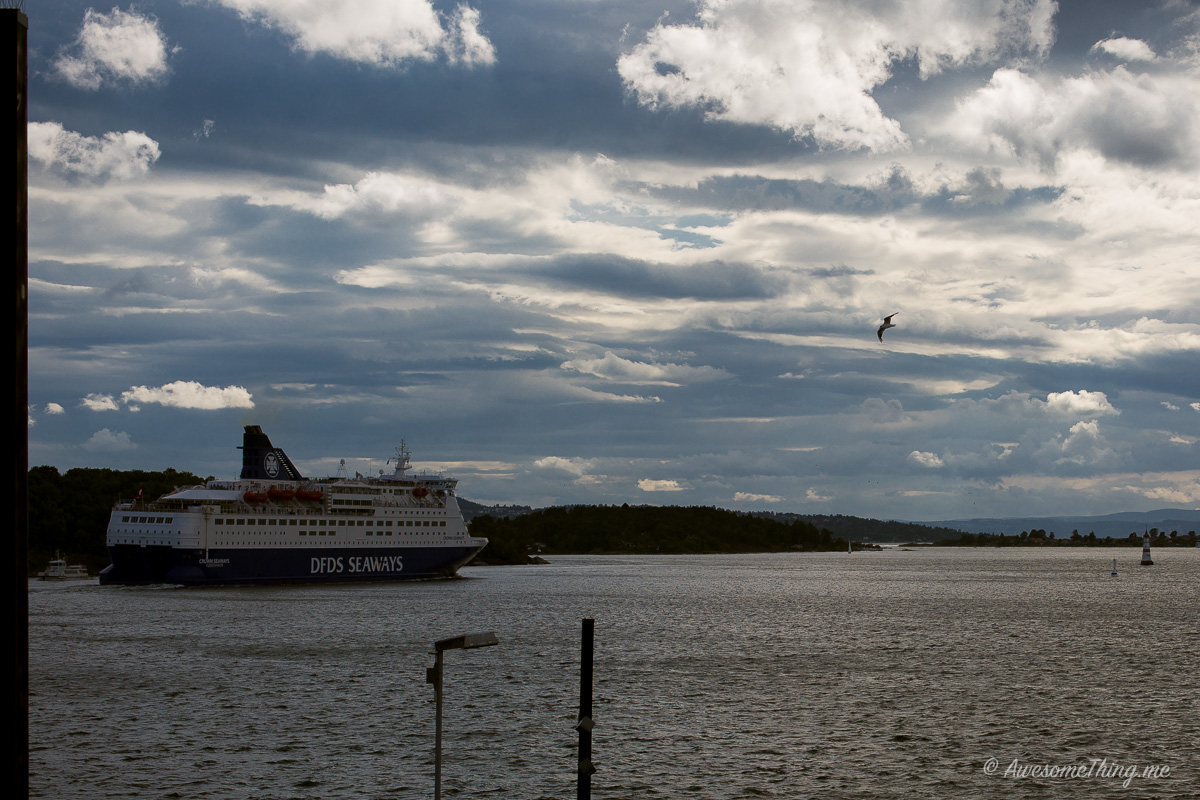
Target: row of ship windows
[
  {"x": 338, "y": 523},
  {"x": 339, "y": 501},
  {"x": 222, "y": 521},
  {"x": 227, "y": 542}
]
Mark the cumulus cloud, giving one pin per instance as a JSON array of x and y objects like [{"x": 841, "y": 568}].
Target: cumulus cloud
[
  {"x": 649, "y": 485},
  {"x": 54, "y": 408},
  {"x": 572, "y": 466},
  {"x": 189, "y": 394},
  {"x": 809, "y": 67},
  {"x": 1166, "y": 494},
  {"x": 106, "y": 441},
  {"x": 1085, "y": 446},
  {"x": 180, "y": 394},
  {"x": 469, "y": 46},
  {"x": 1081, "y": 404},
  {"x": 930, "y": 460},
  {"x": 1140, "y": 119},
  {"x": 378, "y": 32},
  {"x": 120, "y": 47},
  {"x": 613, "y": 367},
  {"x": 99, "y": 402},
  {"x": 115, "y": 155},
  {"x": 378, "y": 194},
  {"x": 739, "y": 497},
  {"x": 1125, "y": 49}
]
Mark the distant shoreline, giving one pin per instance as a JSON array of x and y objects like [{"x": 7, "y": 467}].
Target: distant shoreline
[{"x": 1158, "y": 541}]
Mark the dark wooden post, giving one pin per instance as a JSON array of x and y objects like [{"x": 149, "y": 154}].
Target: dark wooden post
[{"x": 584, "y": 787}]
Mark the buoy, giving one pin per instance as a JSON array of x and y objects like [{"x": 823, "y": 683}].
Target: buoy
[{"x": 1146, "y": 562}]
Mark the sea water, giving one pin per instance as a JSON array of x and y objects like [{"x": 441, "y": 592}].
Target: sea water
[{"x": 923, "y": 673}]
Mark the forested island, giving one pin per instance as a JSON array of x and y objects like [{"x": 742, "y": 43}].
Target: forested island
[{"x": 643, "y": 529}]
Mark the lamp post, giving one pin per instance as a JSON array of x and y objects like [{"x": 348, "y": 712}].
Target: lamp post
[{"x": 433, "y": 675}]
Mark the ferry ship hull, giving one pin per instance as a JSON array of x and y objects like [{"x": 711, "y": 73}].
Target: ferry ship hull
[
  {"x": 137, "y": 565},
  {"x": 272, "y": 525}
]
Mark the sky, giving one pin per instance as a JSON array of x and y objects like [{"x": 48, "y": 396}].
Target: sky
[{"x": 609, "y": 251}]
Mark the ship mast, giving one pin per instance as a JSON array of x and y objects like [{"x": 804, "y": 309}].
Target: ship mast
[{"x": 403, "y": 460}]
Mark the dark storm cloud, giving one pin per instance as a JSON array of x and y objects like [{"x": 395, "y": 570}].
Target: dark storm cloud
[
  {"x": 981, "y": 192},
  {"x": 756, "y": 193},
  {"x": 626, "y": 277},
  {"x": 1137, "y": 123}
]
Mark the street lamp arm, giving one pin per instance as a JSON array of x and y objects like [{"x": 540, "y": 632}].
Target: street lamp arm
[
  {"x": 433, "y": 675},
  {"x": 466, "y": 641}
]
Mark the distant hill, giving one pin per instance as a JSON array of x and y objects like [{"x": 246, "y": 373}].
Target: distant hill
[
  {"x": 864, "y": 529},
  {"x": 1117, "y": 525}
]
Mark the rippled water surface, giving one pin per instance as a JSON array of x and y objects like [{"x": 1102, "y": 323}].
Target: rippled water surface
[{"x": 896, "y": 674}]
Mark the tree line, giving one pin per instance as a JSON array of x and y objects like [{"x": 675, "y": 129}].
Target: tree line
[
  {"x": 69, "y": 511},
  {"x": 643, "y": 530},
  {"x": 1040, "y": 538}
]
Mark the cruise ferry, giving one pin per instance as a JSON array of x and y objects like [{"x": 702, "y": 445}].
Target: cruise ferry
[{"x": 273, "y": 525}]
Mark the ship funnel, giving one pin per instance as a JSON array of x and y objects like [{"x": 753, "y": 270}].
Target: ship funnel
[{"x": 263, "y": 461}]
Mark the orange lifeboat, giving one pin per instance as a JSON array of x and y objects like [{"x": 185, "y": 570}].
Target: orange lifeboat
[
  {"x": 254, "y": 497},
  {"x": 420, "y": 492},
  {"x": 278, "y": 493},
  {"x": 309, "y": 495}
]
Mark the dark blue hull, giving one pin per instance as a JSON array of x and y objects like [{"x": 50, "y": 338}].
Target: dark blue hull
[{"x": 133, "y": 564}]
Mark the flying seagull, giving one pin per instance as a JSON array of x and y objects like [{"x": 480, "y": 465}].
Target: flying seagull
[{"x": 887, "y": 323}]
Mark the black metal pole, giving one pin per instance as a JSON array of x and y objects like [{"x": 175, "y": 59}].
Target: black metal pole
[
  {"x": 434, "y": 675},
  {"x": 16, "y": 25},
  {"x": 584, "y": 791}
]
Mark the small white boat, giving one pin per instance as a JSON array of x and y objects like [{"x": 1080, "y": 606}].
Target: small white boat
[{"x": 60, "y": 570}]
